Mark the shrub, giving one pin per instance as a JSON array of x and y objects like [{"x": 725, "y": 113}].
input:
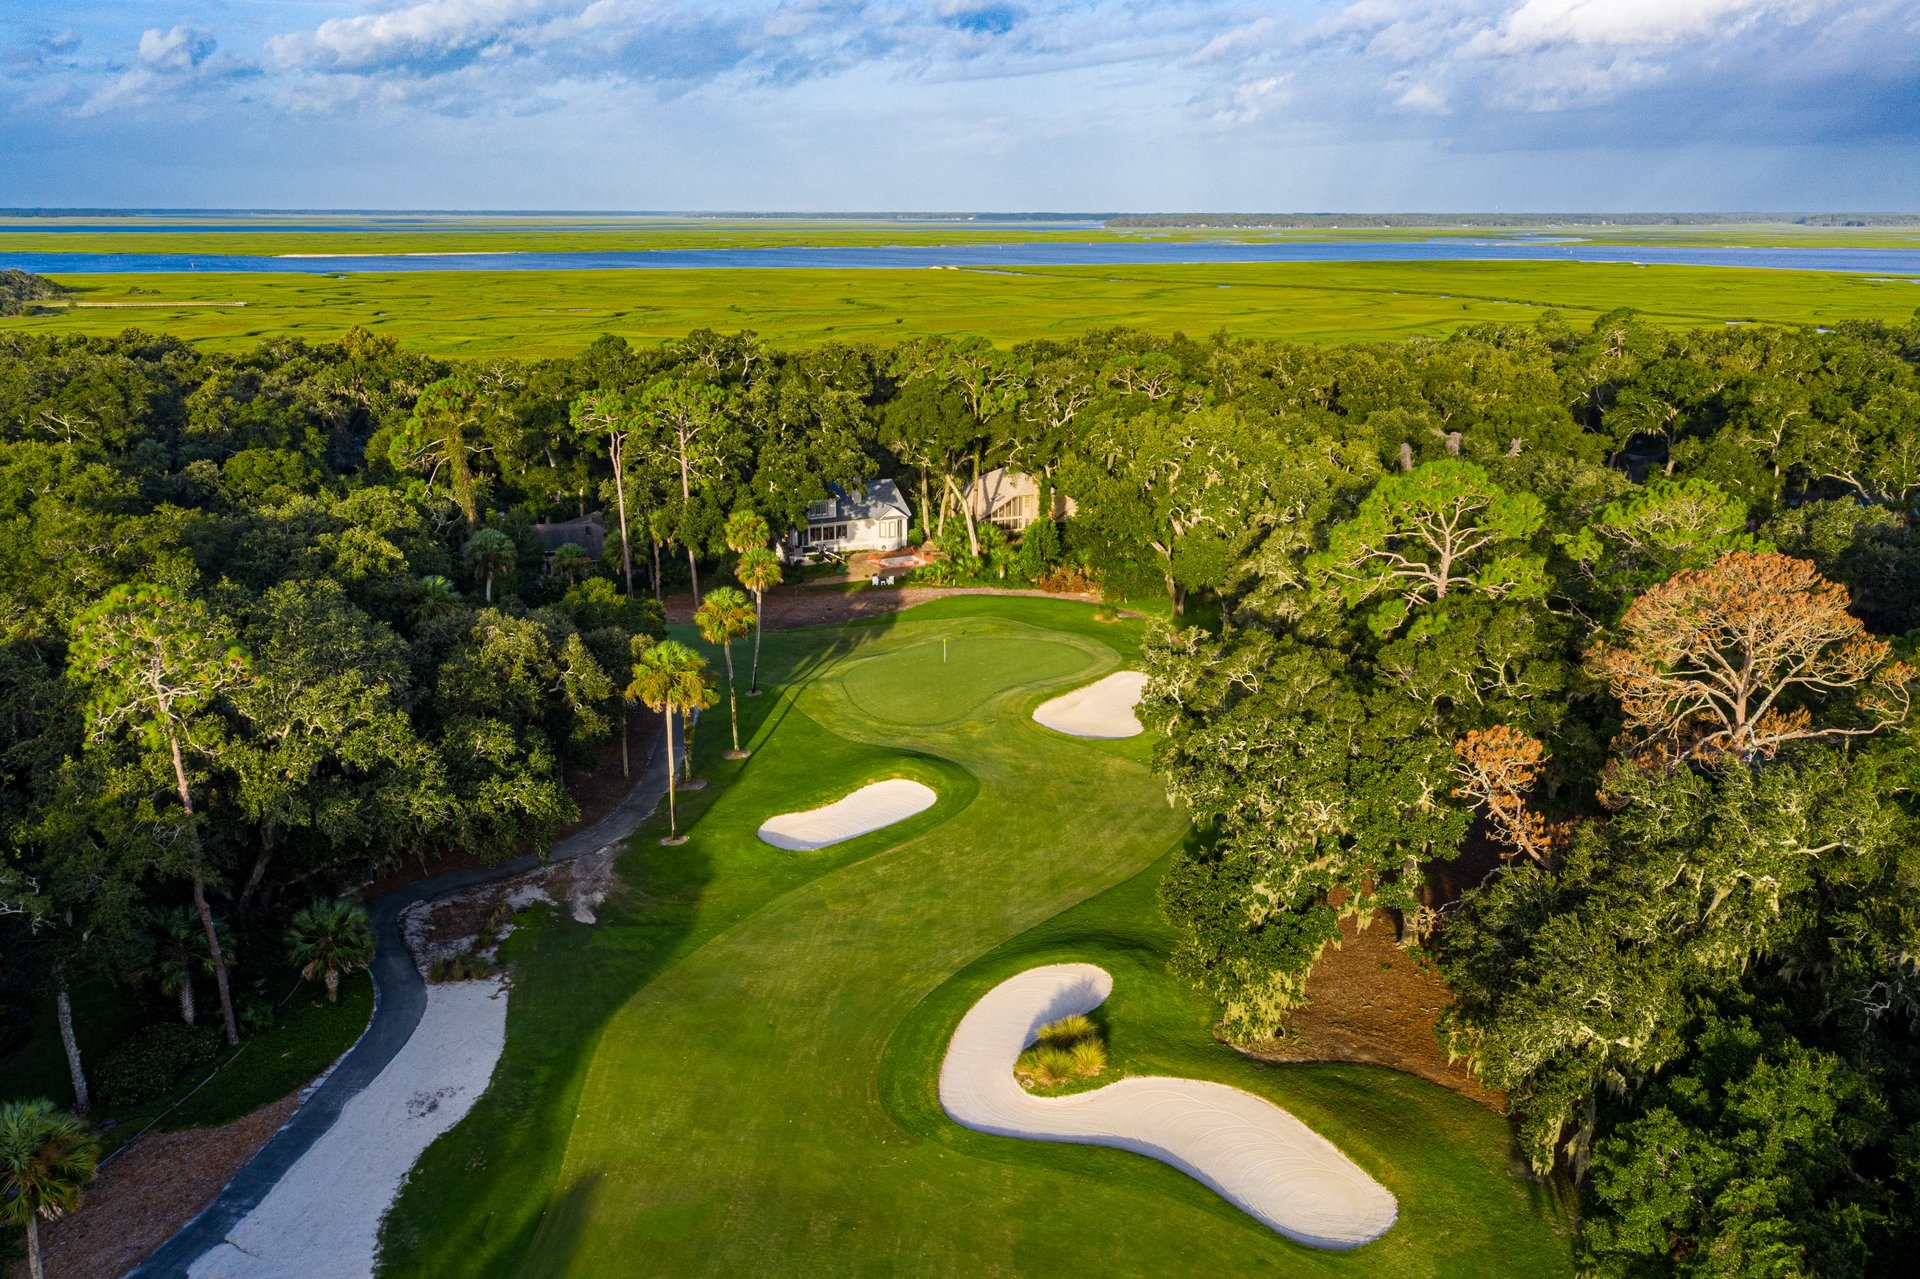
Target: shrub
[
  {"x": 1069, "y": 1030},
  {"x": 1088, "y": 1058},
  {"x": 153, "y": 1060},
  {"x": 1064, "y": 1050}
]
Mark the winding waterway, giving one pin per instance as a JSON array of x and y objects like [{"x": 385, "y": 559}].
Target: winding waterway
[{"x": 1892, "y": 262}]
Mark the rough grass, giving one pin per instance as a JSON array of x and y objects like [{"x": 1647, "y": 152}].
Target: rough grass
[
  {"x": 529, "y": 314},
  {"x": 622, "y": 1136}
]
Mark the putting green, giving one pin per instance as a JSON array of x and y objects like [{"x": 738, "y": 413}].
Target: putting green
[
  {"x": 939, "y": 680},
  {"x": 734, "y": 1072}
]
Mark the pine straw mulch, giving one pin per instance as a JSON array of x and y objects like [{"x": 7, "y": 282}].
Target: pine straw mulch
[
  {"x": 1369, "y": 1001},
  {"x": 153, "y": 1188}
]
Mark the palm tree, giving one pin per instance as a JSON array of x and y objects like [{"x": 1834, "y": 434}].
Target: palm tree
[
  {"x": 758, "y": 571},
  {"x": 671, "y": 677},
  {"x": 438, "y": 598},
  {"x": 328, "y": 939},
  {"x": 724, "y": 617},
  {"x": 572, "y": 562},
  {"x": 180, "y": 954},
  {"x": 46, "y": 1158},
  {"x": 491, "y": 554}
]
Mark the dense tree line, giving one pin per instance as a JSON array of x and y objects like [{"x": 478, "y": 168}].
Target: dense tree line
[
  {"x": 1615, "y": 628},
  {"x": 1441, "y": 583}
]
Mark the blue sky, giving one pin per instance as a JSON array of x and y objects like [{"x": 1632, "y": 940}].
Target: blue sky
[{"x": 962, "y": 104}]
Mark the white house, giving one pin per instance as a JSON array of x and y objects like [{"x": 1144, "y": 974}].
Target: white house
[{"x": 840, "y": 524}]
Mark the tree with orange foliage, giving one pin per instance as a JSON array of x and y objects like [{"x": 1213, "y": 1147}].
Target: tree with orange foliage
[
  {"x": 1731, "y": 660},
  {"x": 1496, "y": 767}
]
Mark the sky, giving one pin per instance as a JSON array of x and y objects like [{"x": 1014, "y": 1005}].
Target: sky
[{"x": 990, "y": 105}]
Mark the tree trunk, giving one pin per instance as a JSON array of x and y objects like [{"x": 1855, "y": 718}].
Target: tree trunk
[
  {"x": 259, "y": 872},
  {"x": 693, "y": 569},
  {"x": 625, "y": 769},
  {"x": 219, "y": 960},
  {"x": 187, "y": 1010},
  {"x": 63, "y": 1005},
  {"x": 673, "y": 780},
  {"x": 1177, "y": 596},
  {"x": 333, "y": 985},
  {"x": 200, "y": 901},
  {"x": 656, "y": 569},
  {"x": 733, "y": 705},
  {"x": 33, "y": 1247},
  {"x": 753, "y": 683},
  {"x": 489, "y": 591},
  {"x": 620, "y": 495}
]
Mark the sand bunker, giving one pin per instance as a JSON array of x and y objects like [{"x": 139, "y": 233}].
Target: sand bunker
[
  {"x": 1103, "y": 708},
  {"x": 323, "y": 1218},
  {"x": 1255, "y": 1154},
  {"x": 867, "y": 809}
]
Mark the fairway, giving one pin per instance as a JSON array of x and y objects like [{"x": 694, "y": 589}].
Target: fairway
[{"x": 735, "y": 1073}]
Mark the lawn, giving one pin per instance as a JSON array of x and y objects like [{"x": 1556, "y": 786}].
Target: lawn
[
  {"x": 734, "y": 1072},
  {"x": 531, "y": 314}
]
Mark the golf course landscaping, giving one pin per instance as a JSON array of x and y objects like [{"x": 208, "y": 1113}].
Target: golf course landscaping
[{"x": 736, "y": 1069}]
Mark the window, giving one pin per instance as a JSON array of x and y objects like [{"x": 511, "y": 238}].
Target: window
[{"x": 824, "y": 509}]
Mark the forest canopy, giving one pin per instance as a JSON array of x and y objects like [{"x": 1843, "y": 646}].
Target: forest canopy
[{"x": 1615, "y": 625}]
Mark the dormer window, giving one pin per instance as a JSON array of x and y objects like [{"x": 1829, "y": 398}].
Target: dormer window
[{"x": 824, "y": 509}]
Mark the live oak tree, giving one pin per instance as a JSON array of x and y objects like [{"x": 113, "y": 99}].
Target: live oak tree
[{"x": 155, "y": 666}]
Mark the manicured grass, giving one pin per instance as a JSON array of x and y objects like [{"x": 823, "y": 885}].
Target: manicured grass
[
  {"x": 530, "y": 314},
  {"x": 733, "y": 1073}
]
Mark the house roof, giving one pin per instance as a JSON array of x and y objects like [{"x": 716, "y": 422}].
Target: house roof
[
  {"x": 588, "y": 531},
  {"x": 882, "y": 500}
]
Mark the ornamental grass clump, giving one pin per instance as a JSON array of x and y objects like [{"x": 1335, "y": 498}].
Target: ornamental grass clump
[{"x": 1065, "y": 1051}]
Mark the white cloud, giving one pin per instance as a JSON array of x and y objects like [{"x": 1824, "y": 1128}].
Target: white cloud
[
  {"x": 1538, "y": 24},
  {"x": 430, "y": 32},
  {"x": 181, "y": 49}
]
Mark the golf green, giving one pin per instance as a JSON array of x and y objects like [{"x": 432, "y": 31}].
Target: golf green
[{"x": 734, "y": 1073}]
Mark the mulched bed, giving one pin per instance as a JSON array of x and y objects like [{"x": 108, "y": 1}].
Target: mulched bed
[
  {"x": 149, "y": 1191},
  {"x": 1370, "y": 1001}
]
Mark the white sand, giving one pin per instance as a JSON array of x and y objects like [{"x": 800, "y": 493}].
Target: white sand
[
  {"x": 867, "y": 809},
  {"x": 1103, "y": 708},
  {"x": 1255, "y": 1154},
  {"x": 323, "y": 1219}
]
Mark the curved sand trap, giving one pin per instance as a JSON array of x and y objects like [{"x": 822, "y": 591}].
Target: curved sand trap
[
  {"x": 867, "y": 809},
  {"x": 1103, "y": 708},
  {"x": 1257, "y": 1156}
]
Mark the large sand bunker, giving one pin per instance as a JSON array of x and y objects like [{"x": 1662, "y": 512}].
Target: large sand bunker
[
  {"x": 867, "y": 809},
  {"x": 1253, "y": 1153},
  {"x": 1103, "y": 708},
  {"x": 322, "y": 1221}
]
